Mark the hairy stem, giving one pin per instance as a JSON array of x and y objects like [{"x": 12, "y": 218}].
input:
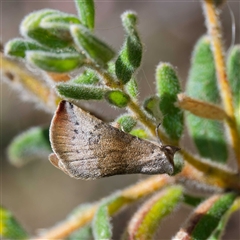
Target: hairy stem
[{"x": 206, "y": 172}]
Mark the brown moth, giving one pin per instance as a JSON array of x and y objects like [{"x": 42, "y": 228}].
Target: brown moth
[{"x": 87, "y": 148}]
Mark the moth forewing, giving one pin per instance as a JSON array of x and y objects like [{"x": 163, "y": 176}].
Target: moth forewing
[{"x": 87, "y": 148}]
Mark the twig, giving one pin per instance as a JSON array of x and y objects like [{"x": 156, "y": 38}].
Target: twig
[{"x": 222, "y": 175}]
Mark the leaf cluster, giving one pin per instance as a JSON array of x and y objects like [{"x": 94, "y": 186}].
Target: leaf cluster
[{"x": 60, "y": 43}]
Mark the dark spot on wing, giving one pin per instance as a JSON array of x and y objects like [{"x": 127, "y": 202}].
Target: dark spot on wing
[
  {"x": 71, "y": 105},
  {"x": 76, "y": 123},
  {"x": 97, "y": 126},
  {"x": 73, "y": 137},
  {"x": 76, "y": 131}
]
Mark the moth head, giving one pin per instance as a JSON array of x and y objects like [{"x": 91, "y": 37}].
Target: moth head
[{"x": 169, "y": 152}]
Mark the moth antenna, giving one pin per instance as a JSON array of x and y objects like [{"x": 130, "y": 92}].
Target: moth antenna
[{"x": 158, "y": 138}]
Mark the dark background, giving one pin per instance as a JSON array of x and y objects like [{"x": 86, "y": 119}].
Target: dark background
[{"x": 39, "y": 194}]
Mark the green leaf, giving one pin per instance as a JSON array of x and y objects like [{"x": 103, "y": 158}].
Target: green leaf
[
  {"x": 208, "y": 223},
  {"x": 86, "y": 12},
  {"x": 168, "y": 87},
  {"x": 117, "y": 98},
  {"x": 101, "y": 224},
  {"x": 140, "y": 133},
  {"x": 126, "y": 122},
  {"x": 102, "y": 228},
  {"x": 192, "y": 200},
  {"x": 82, "y": 92},
  {"x": 60, "y": 24},
  {"x": 87, "y": 77},
  {"x": 30, "y": 145},
  {"x": 151, "y": 106},
  {"x": 130, "y": 55},
  {"x": 55, "y": 62},
  {"x": 233, "y": 66},
  {"x": 9, "y": 227},
  {"x": 84, "y": 233},
  {"x": 61, "y": 18},
  {"x": 30, "y": 28},
  {"x": 207, "y": 134},
  {"x": 219, "y": 231},
  {"x": 18, "y": 47},
  {"x": 145, "y": 221},
  {"x": 95, "y": 49},
  {"x": 132, "y": 88}
]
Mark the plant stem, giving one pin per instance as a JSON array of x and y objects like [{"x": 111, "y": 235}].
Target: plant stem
[
  {"x": 205, "y": 173},
  {"x": 215, "y": 33},
  {"x": 135, "y": 192}
]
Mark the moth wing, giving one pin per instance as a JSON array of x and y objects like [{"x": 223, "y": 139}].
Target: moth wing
[{"x": 89, "y": 148}]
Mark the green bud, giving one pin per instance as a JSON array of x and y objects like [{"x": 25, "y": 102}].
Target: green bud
[
  {"x": 61, "y": 18},
  {"x": 126, "y": 122},
  {"x": 132, "y": 87},
  {"x": 87, "y": 77},
  {"x": 60, "y": 24},
  {"x": 168, "y": 87},
  {"x": 79, "y": 91},
  {"x": 140, "y": 133},
  {"x": 94, "y": 48},
  {"x": 86, "y": 12},
  {"x": 18, "y": 47},
  {"x": 30, "y": 28},
  {"x": 151, "y": 106},
  {"x": 55, "y": 62},
  {"x": 130, "y": 56},
  {"x": 117, "y": 98}
]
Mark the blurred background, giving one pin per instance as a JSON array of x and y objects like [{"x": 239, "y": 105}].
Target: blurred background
[{"x": 40, "y": 195}]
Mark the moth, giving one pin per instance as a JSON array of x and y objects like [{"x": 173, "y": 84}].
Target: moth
[{"x": 87, "y": 148}]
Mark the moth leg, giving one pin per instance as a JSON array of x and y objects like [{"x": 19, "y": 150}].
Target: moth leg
[{"x": 156, "y": 131}]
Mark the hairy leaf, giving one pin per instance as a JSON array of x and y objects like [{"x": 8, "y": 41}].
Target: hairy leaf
[
  {"x": 30, "y": 145},
  {"x": 207, "y": 134}
]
